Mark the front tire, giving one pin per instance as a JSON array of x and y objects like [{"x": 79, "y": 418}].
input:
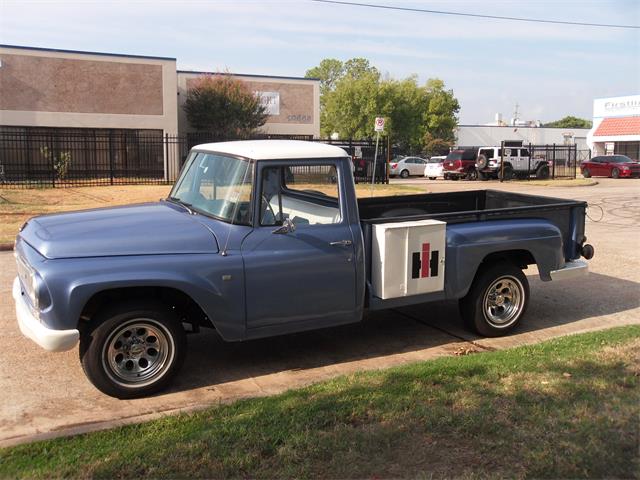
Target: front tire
[
  {"x": 615, "y": 173},
  {"x": 496, "y": 301},
  {"x": 404, "y": 173},
  {"x": 472, "y": 175},
  {"x": 133, "y": 350}
]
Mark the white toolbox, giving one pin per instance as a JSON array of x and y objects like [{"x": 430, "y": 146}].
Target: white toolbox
[{"x": 408, "y": 258}]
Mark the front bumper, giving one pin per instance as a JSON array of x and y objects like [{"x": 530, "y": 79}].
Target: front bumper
[
  {"x": 572, "y": 269},
  {"x": 30, "y": 326}
]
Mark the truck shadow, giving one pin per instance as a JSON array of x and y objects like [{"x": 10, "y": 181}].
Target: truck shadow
[{"x": 566, "y": 308}]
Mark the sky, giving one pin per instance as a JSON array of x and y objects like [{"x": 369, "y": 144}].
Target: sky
[{"x": 549, "y": 70}]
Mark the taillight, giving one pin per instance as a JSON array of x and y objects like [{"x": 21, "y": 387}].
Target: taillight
[{"x": 394, "y": 165}]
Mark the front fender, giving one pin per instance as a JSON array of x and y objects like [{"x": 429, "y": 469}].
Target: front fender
[
  {"x": 468, "y": 244},
  {"x": 214, "y": 282}
]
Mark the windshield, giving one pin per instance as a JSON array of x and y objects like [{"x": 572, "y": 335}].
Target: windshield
[{"x": 216, "y": 185}]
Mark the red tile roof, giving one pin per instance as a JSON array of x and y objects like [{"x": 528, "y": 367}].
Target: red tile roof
[{"x": 618, "y": 126}]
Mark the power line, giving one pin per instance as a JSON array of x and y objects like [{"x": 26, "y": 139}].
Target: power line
[{"x": 477, "y": 15}]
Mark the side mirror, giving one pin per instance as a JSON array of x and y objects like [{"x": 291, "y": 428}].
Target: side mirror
[{"x": 287, "y": 227}]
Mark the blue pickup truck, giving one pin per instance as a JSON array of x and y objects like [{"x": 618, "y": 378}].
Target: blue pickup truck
[{"x": 263, "y": 238}]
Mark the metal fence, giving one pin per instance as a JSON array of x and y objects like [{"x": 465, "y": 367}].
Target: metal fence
[
  {"x": 539, "y": 161},
  {"x": 36, "y": 159},
  {"x": 49, "y": 158},
  {"x": 561, "y": 160}
]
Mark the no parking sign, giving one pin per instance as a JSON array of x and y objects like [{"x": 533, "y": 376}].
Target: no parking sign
[{"x": 379, "y": 124}]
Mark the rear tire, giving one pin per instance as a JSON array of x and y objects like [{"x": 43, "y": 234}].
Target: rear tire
[
  {"x": 432, "y": 178},
  {"x": 404, "y": 173},
  {"x": 586, "y": 173},
  {"x": 483, "y": 176},
  {"x": 615, "y": 173},
  {"x": 506, "y": 174},
  {"x": 472, "y": 175},
  {"x": 542, "y": 173},
  {"x": 496, "y": 301},
  {"x": 133, "y": 350}
]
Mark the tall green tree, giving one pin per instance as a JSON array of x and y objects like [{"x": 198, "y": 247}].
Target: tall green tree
[
  {"x": 353, "y": 93},
  {"x": 570, "y": 122},
  {"x": 224, "y": 105},
  {"x": 329, "y": 71},
  {"x": 440, "y": 117}
]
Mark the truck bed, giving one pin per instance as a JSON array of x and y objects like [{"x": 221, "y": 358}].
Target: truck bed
[
  {"x": 458, "y": 207},
  {"x": 473, "y": 206}
]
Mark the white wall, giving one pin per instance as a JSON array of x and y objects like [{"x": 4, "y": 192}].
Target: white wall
[{"x": 481, "y": 135}]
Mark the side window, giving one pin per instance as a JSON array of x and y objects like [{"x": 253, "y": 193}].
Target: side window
[
  {"x": 306, "y": 194},
  {"x": 524, "y": 152},
  {"x": 515, "y": 152}
]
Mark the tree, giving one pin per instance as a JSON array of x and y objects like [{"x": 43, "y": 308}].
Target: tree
[
  {"x": 328, "y": 72},
  {"x": 569, "y": 122},
  {"x": 225, "y": 105},
  {"x": 441, "y": 117},
  {"x": 354, "y": 92}
]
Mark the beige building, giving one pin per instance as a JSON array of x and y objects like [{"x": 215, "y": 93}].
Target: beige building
[
  {"x": 63, "y": 89},
  {"x": 109, "y": 113},
  {"x": 42, "y": 87},
  {"x": 293, "y": 104}
]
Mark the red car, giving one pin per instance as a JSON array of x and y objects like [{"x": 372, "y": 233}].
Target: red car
[
  {"x": 460, "y": 163},
  {"x": 614, "y": 166}
]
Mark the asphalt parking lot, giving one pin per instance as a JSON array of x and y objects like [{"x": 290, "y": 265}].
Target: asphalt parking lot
[{"x": 46, "y": 394}]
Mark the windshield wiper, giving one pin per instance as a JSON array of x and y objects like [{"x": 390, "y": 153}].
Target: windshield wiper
[{"x": 177, "y": 201}]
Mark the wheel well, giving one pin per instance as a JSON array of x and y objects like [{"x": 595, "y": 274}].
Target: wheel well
[
  {"x": 520, "y": 258},
  {"x": 182, "y": 304}
]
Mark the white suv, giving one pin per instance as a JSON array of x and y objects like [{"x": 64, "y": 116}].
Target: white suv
[{"x": 517, "y": 162}]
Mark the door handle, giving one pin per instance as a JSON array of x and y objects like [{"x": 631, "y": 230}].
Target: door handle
[{"x": 341, "y": 243}]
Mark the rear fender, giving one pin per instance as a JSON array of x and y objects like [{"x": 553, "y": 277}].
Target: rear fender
[{"x": 471, "y": 244}]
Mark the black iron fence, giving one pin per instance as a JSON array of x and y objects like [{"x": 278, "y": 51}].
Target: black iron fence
[
  {"x": 50, "y": 158},
  {"x": 561, "y": 161},
  {"x": 529, "y": 162}
]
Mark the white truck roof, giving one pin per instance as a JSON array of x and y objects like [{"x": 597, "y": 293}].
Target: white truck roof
[{"x": 274, "y": 149}]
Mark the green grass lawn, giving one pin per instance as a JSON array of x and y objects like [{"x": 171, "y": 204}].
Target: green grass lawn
[{"x": 566, "y": 408}]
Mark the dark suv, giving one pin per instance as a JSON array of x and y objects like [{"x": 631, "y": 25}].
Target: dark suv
[{"x": 461, "y": 163}]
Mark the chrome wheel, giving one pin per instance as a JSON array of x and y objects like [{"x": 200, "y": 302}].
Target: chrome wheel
[
  {"x": 503, "y": 302},
  {"x": 138, "y": 353}
]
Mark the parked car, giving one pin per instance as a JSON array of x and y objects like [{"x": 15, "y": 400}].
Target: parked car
[
  {"x": 461, "y": 163},
  {"x": 433, "y": 169},
  {"x": 614, "y": 166},
  {"x": 256, "y": 240},
  {"x": 406, "y": 166},
  {"x": 517, "y": 162}
]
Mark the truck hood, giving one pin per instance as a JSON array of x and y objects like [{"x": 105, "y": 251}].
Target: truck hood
[{"x": 143, "y": 229}]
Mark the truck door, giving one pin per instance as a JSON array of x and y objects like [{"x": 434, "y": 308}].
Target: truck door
[{"x": 299, "y": 259}]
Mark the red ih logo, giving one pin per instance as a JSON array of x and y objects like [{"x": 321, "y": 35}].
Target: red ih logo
[{"x": 425, "y": 263}]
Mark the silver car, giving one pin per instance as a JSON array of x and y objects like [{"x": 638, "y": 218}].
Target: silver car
[{"x": 406, "y": 166}]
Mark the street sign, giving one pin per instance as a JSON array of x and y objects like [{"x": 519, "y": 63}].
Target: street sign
[
  {"x": 358, "y": 152},
  {"x": 379, "y": 124}
]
